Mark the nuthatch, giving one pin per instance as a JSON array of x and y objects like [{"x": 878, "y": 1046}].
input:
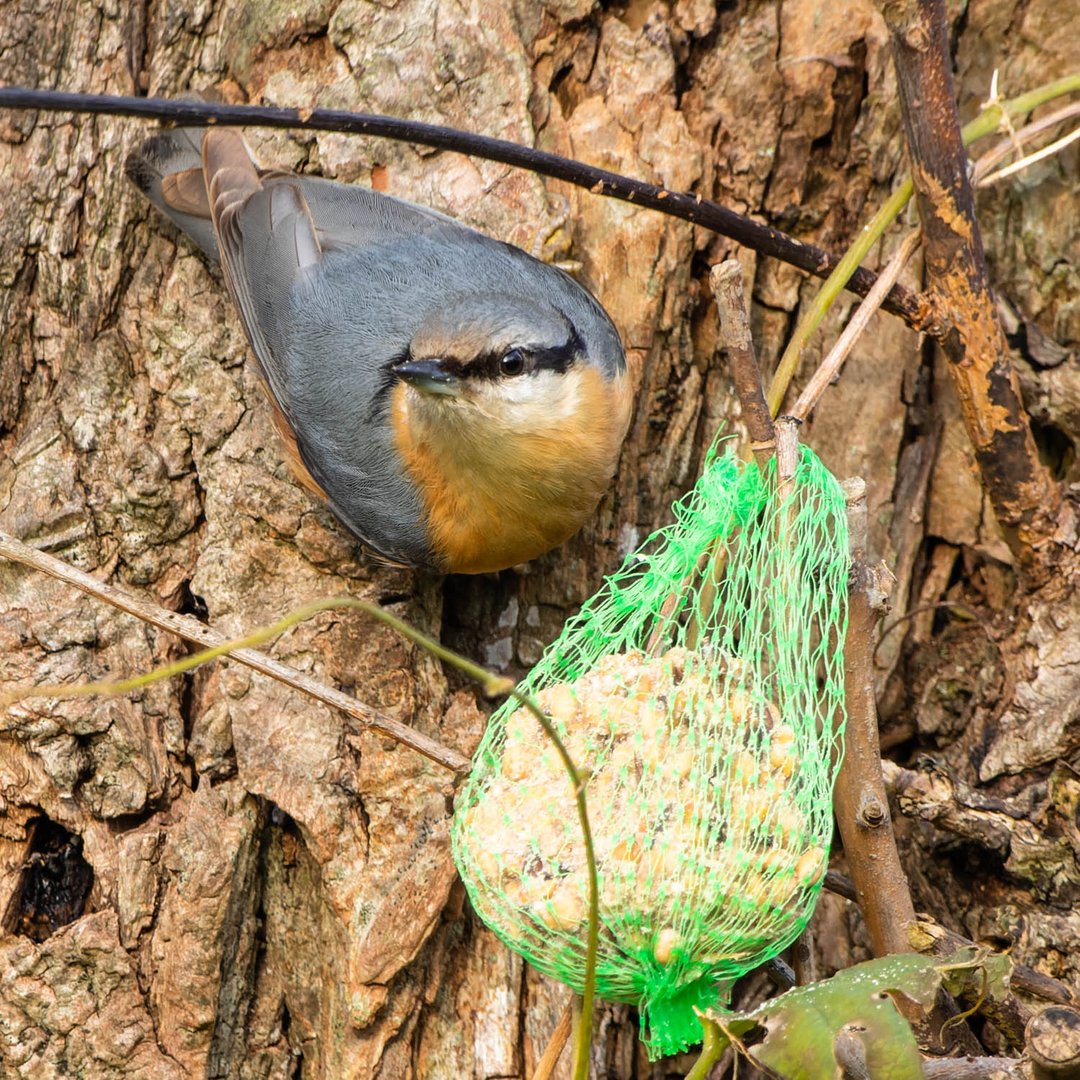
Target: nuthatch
[{"x": 458, "y": 404}]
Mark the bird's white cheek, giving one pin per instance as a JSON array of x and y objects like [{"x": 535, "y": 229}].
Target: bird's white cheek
[{"x": 541, "y": 400}]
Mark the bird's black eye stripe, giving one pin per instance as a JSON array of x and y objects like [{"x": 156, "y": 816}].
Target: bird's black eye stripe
[
  {"x": 519, "y": 361},
  {"x": 557, "y": 359},
  {"x": 562, "y": 356}
]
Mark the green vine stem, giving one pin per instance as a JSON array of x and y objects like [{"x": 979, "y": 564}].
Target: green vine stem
[
  {"x": 714, "y": 1045},
  {"x": 986, "y": 123}
]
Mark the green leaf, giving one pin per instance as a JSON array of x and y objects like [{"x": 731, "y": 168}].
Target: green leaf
[{"x": 804, "y": 1025}]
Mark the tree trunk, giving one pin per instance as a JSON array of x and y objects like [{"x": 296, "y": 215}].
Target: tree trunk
[{"x": 215, "y": 877}]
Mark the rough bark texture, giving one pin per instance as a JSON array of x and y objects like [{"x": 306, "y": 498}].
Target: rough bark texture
[{"x": 273, "y": 898}]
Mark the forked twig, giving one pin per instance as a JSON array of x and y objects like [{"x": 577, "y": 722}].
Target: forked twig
[{"x": 986, "y": 162}]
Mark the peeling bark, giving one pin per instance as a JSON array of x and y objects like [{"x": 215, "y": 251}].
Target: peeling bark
[{"x": 964, "y": 318}]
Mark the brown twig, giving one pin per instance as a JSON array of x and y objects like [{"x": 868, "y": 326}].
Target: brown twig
[
  {"x": 1025, "y": 499},
  {"x": 841, "y": 884},
  {"x": 556, "y": 1044},
  {"x": 862, "y": 808},
  {"x": 727, "y": 285},
  {"x": 787, "y": 454},
  {"x": 859, "y": 799},
  {"x": 830, "y": 366},
  {"x": 802, "y": 958},
  {"x": 192, "y": 630},
  {"x": 986, "y": 162},
  {"x": 726, "y": 282}
]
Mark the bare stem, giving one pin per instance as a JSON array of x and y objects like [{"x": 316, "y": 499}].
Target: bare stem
[
  {"x": 556, "y": 1044},
  {"x": 713, "y": 1047},
  {"x": 965, "y": 323},
  {"x": 787, "y": 455},
  {"x": 830, "y": 366}
]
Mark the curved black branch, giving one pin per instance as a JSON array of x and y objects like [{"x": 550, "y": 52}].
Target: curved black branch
[{"x": 693, "y": 208}]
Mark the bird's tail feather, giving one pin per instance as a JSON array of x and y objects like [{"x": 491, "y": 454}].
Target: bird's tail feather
[{"x": 167, "y": 169}]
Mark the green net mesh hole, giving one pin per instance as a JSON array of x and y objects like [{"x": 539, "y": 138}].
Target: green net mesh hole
[{"x": 701, "y": 689}]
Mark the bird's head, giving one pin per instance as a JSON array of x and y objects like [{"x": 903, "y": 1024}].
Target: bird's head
[{"x": 509, "y": 414}]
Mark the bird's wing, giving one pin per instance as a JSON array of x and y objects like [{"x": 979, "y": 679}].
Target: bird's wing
[
  {"x": 266, "y": 243},
  {"x": 348, "y": 216},
  {"x": 298, "y": 304}
]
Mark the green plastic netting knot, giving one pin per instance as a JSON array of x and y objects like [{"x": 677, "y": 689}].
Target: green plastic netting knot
[
  {"x": 669, "y": 1013},
  {"x": 701, "y": 690}
]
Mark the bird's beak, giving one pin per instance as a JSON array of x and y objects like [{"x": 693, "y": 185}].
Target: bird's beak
[{"x": 431, "y": 376}]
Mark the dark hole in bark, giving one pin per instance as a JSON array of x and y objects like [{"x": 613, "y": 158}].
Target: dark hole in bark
[
  {"x": 1056, "y": 449},
  {"x": 192, "y": 604},
  {"x": 56, "y": 881}
]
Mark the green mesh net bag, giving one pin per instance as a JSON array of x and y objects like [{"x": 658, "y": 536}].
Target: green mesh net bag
[{"x": 701, "y": 690}]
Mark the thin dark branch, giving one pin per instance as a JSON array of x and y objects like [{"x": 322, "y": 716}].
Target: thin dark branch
[
  {"x": 964, "y": 319},
  {"x": 780, "y": 973},
  {"x": 693, "y": 208},
  {"x": 841, "y": 884}
]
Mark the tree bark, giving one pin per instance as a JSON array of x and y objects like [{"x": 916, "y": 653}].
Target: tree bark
[{"x": 214, "y": 877}]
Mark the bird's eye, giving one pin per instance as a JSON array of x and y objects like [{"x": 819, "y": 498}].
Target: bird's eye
[{"x": 512, "y": 363}]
